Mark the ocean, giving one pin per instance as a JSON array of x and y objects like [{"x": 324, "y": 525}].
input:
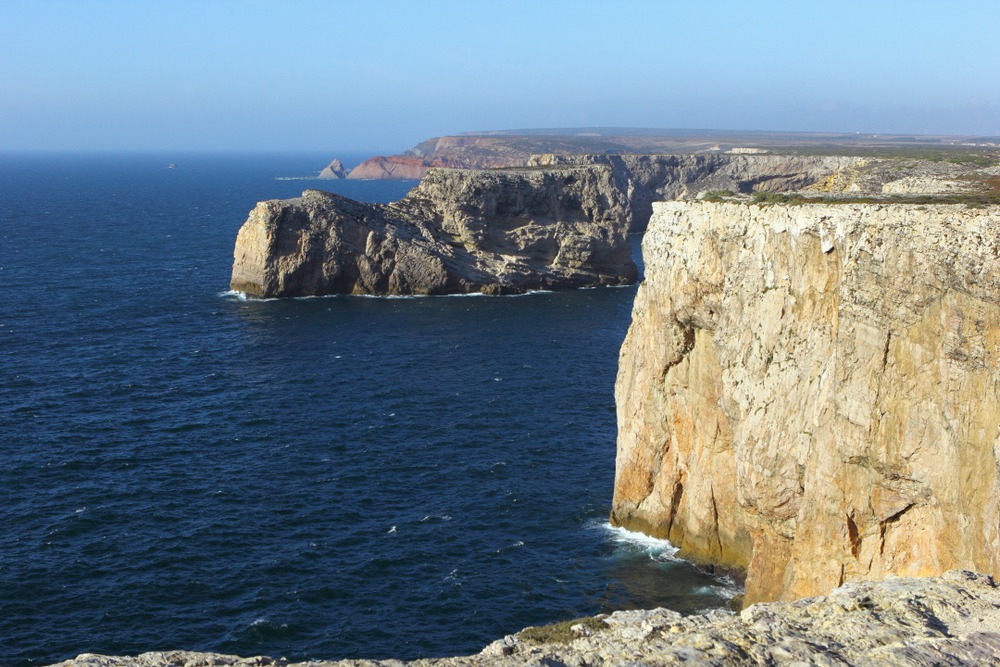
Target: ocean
[{"x": 329, "y": 477}]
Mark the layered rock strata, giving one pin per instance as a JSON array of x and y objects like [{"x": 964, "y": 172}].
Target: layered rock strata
[
  {"x": 812, "y": 393},
  {"x": 950, "y": 620},
  {"x": 459, "y": 231}
]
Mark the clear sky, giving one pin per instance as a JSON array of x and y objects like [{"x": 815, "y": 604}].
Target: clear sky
[{"x": 380, "y": 75}]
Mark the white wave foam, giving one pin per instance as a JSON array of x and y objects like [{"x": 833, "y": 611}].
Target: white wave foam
[
  {"x": 657, "y": 548},
  {"x": 242, "y": 296},
  {"x": 726, "y": 588},
  {"x": 509, "y": 547}
]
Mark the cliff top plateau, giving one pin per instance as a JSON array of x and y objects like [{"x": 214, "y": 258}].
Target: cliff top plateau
[{"x": 950, "y": 620}]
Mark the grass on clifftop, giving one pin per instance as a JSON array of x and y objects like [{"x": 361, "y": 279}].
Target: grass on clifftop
[
  {"x": 987, "y": 195},
  {"x": 965, "y": 155}
]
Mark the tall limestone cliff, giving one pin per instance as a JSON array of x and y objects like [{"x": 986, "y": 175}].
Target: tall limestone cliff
[
  {"x": 459, "y": 231},
  {"x": 812, "y": 393}
]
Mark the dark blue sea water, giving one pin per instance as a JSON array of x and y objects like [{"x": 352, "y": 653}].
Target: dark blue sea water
[{"x": 325, "y": 478}]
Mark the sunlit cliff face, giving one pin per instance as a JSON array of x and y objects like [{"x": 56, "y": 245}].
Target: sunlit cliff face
[{"x": 812, "y": 392}]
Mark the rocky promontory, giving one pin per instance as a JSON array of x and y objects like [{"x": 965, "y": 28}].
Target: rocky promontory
[
  {"x": 811, "y": 392},
  {"x": 459, "y": 231},
  {"x": 949, "y": 620}
]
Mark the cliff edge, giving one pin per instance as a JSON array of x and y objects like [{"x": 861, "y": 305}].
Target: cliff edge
[
  {"x": 812, "y": 393},
  {"x": 458, "y": 231}
]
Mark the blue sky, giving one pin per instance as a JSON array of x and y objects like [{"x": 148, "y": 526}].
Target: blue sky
[{"x": 382, "y": 75}]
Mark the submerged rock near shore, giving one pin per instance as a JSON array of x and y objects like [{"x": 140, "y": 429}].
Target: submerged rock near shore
[
  {"x": 812, "y": 392},
  {"x": 459, "y": 231},
  {"x": 949, "y": 620}
]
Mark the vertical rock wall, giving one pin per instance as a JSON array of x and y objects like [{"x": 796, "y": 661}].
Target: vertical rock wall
[{"x": 812, "y": 393}]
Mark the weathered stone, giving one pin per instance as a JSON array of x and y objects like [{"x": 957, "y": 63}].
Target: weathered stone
[
  {"x": 949, "y": 620},
  {"x": 459, "y": 231},
  {"x": 813, "y": 392}
]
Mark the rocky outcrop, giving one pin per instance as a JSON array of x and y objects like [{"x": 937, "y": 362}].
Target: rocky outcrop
[
  {"x": 812, "y": 393},
  {"x": 649, "y": 178},
  {"x": 950, "y": 620},
  {"x": 459, "y": 231},
  {"x": 334, "y": 170}
]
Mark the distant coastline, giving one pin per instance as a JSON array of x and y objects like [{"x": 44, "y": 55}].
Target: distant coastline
[{"x": 514, "y": 148}]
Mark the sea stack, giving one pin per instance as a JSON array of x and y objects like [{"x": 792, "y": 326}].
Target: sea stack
[
  {"x": 333, "y": 171},
  {"x": 812, "y": 393}
]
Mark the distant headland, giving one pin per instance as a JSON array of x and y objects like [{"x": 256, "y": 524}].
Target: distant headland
[{"x": 514, "y": 148}]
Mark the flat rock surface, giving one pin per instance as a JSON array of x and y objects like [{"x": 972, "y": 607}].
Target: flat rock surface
[{"x": 953, "y": 619}]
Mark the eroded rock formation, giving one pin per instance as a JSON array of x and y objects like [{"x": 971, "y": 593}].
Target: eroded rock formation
[
  {"x": 812, "y": 393},
  {"x": 459, "y": 231},
  {"x": 950, "y": 620}
]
